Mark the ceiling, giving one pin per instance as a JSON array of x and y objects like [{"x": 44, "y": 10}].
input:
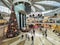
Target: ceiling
[
  {"x": 46, "y": 0},
  {"x": 7, "y": 3}
]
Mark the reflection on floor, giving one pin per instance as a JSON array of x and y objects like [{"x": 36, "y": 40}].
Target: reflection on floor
[{"x": 39, "y": 39}]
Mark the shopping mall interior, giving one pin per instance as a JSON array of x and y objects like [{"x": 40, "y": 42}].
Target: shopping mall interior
[{"x": 29, "y": 22}]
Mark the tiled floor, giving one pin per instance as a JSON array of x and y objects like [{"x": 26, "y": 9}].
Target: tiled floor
[{"x": 39, "y": 39}]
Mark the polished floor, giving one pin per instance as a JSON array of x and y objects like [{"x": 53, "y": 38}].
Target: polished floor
[{"x": 39, "y": 39}]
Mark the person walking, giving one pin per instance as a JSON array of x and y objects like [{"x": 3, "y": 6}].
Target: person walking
[
  {"x": 33, "y": 31},
  {"x": 28, "y": 37},
  {"x": 40, "y": 29},
  {"x": 32, "y": 38},
  {"x": 22, "y": 36},
  {"x": 46, "y": 33}
]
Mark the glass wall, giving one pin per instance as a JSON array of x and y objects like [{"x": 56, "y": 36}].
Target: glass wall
[{"x": 22, "y": 20}]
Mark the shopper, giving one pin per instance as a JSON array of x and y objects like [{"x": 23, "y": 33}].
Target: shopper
[
  {"x": 28, "y": 38},
  {"x": 46, "y": 33},
  {"x": 26, "y": 35},
  {"x": 32, "y": 38},
  {"x": 22, "y": 36},
  {"x": 33, "y": 31}
]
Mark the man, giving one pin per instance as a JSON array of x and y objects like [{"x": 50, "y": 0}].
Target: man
[
  {"x": 46, "y": 33},
  {"x": 22, "y": 36},
  {"x": 33, "y": 31},
  {"x": 32, "y": 38}
]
